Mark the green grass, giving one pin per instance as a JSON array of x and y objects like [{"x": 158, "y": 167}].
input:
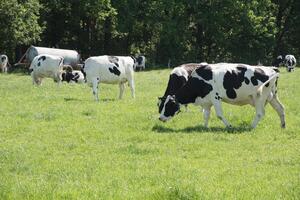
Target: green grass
[{"x": 58, "y": 143}]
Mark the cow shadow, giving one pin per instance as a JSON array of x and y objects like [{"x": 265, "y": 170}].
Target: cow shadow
[
  {"x": 201, "y": 129},
  {"x": 71, "y": 99}
]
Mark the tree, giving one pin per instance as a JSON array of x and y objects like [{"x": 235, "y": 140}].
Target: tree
[{"x": 19, "y": 25}]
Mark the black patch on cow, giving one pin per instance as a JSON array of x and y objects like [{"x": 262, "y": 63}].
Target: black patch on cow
[
  {"x": 247, "y": 81},
  {"x": 192, "y": 89},
  {"x": 171, "y": 107},
  {"x": 259, "y": 75},
  {"x": 39, "y": 64},
  {"x": 233, "y": 80},
  {"x": 75, "y": 77},
  {"x": 205, "y": 72},
  {"x": 3, "y": 58},
  {"x": 67, "y": 76},
  {"x": 115, "y": 71},
  {"x": 218, "y": 97},
  {"x": 43, "y": 58},
  {"x": 174, "y": 84}
]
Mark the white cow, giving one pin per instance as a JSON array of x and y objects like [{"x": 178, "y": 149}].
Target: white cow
[
  {"x": 45, "y": 65},
  {"x": 112, "y": 70},
  {"x": 3, "y": 63},
  {"x": 237, "y": 84}
]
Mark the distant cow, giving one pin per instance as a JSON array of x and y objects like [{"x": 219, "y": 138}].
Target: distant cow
[
  {"x": 177, "y": 79},
  {"x": 237, "y": 84},
  {"x": 45, "y": 65},
  {"x": 141, "y": 61},
  {"x": 3, "y": 63},
  {"x": 74, "y": 76},
  {"x": 289, "y": 61},
  {"x": 112, "y": 70}
]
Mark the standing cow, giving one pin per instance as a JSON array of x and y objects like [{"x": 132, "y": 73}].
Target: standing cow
[
  {"x": 237, "y": 84},
  {"x": 3, "y": 63},
  {"x": 289, "y": 61},
  {"x": 112, "y": 70},
  {"x": 177, "y": 79},
  {"x": 45, "y": 65}
]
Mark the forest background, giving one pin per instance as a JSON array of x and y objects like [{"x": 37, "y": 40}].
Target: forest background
[{"x": 165, "y": 31}]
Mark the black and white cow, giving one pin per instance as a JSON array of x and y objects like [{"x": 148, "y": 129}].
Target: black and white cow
[
  {"x": 112, "y": 70},
  {"x": 141, "y": 63},
  {"x": 237, "y": 84},
  {"x": 45, "y": 65},
  {"x": 289, "y": 61},
  {"x": 177, "y": 79},
  {"x": 74, "y": 76},
  {"x": 3, "y": 63}
]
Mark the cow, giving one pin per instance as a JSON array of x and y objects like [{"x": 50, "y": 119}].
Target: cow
[
  {"x": 3, "y": 63},
  {"x": 289, "y": 61},
  {"x": 140, "y": 60},
  {"x": 111, "y": 70},
  {"x": 73, "y": 76},
  {"x": 237, "y": 84},
  {"x": 45, "y": 65},
  {"x": 177, "y": 79}
]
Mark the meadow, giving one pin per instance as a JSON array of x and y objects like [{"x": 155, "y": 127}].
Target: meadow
[{"x": 58, "y": 143}]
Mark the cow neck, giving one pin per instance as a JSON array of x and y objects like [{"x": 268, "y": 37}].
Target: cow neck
[
  {"x": 185, "y": 95},
  {"x": 174, "y": 84}
]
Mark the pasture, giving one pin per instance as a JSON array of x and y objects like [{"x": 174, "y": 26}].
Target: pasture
[{"x": 58, "y": 143}]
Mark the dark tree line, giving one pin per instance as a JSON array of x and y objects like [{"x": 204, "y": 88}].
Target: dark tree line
[{"x": 165, "y": 30}]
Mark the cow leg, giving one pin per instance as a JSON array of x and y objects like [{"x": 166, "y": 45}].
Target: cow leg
[
  {"x": 122, "y": 88},
  {"x": 219, "y": 112},
  {"x": 95, "y": 83},
  {"x": 206, "y": 114},
  {"x": 260, "y": 112},
  {"x": 131, "y": 85},
  {"x": 275, "y": 103}
]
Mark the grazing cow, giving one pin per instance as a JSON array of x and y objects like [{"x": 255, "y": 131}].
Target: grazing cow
[
  {"x": 177, "y": 79},
  {"x": 112, "y": 70},
  {"x": 237, "y": 84},
  {"x": 74, "y": 76},
  {"x": 45, "y": 65},
  {"x": 289, "y": 61},
  {"x": 3, "y": 63},
  {"x": 140, "y": 60}
]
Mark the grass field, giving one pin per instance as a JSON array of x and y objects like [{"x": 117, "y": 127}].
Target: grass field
[{"x": 58, "y": 143}]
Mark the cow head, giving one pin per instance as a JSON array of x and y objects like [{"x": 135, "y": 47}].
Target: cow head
[{"x": 170, "y": 108}]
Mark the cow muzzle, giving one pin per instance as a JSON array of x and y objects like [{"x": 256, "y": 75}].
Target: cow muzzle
[{"x": 162, "y": 119}]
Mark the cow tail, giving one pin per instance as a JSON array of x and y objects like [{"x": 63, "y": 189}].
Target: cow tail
[{"x": 260, "y": 89}]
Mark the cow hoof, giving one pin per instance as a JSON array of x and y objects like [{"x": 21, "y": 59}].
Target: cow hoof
[{"x": 282, "y": 125}]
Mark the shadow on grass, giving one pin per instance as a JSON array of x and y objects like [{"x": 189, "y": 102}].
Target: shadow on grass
[
  {"x": 71, "y": 99},
  {"x": 107, "y": 100},
  {"x": 201, "y": 129}
]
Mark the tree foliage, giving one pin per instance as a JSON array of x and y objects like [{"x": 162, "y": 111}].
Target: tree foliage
[{"x": 165, "y": 30}]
